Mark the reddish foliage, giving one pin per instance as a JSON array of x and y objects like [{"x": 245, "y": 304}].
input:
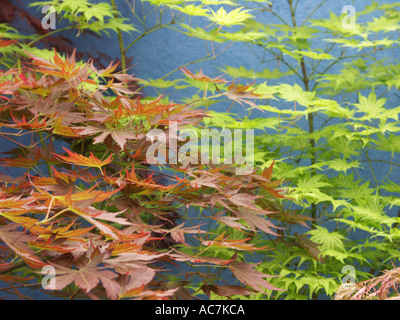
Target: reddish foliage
[
  {"x": 90, "y": 212},
  {"x": 383, "y": 287}
]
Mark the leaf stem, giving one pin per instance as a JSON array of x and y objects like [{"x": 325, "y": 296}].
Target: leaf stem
[{"x": 49, "y": 34}]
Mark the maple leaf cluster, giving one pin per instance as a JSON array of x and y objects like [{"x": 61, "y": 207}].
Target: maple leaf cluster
[{"x": 77, "y": 193}]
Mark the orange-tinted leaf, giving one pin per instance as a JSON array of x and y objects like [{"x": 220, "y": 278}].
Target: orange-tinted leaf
[
  {"x": 15, "y": 202},
  {"x": 201, "y": 76},
  {"x": 23, "y": 124},
  {"x": 62, "y": 130},
  {"x": 107, "y": 71},
  {"x": 124, "y": 247},
  {"x": 26, "y": 222},
  {"x": 6, "y": 43},
  {"x": 20, "y": 162},
  {"x": 242, "y": 94},
  {"x": 267, "y": 173},
  {"x": 49, "y": 246},
  {"x": 80, "y": 160},
  {"x": 149, "y": 183},
  {"x": 65, "y": 232}
]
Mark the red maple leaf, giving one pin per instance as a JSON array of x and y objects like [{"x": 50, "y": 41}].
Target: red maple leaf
[
  {"x": 200, "y": 76},
  {"x": 226, "y": 290},
  {"x": 17, "y": 241},
  {"x": 120, "y": 136},
  {"x": 248, "y": 275},
  {"x": 137, "y": 278},
  {"x": 87, "y": 275}
]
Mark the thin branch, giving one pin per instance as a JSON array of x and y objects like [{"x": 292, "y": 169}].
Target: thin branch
[{"x": 120, "y": 39}]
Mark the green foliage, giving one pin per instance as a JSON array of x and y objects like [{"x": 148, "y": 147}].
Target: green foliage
[{"x": 82, "y": 15}]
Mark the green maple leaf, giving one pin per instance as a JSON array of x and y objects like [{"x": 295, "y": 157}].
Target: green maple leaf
[
  {"x": 166, "y": 2},
  {"x": 296, "y": 93},
  {"x": 232, "y": 18},
  {"x": 99, "y": 11},
  {"x": 328, "y": 240},
  {"x": 192, "y": 10},
  {"x": 312, "y": 182},
  {"x": 383, "y": 24},
  {"x": 315, "y": 55},
  {"x": 371, "y": 106},
  {"x": 72, "y": 6},
  {"x": 342, "y": 164},
  {"x": 219, "y": 2}
]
